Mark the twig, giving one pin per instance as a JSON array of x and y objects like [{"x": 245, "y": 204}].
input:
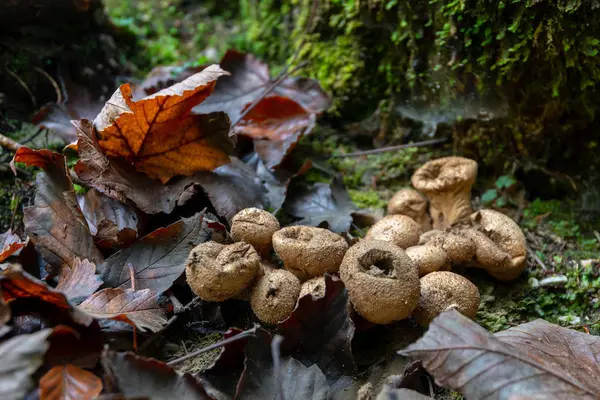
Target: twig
[
  {"x": 390, "y": 148},
  {"x": 9, "y": 144},
  {"x": 276, "y": 82},
  {"x": 52, "y": 82},
  {"x": 14, "y": 211},
  {"x": 276, "y": 354},
  {"x": 537, "y": 259},
  {"x": 241, "y": 335},
  {"x": 131, "y": 275},
  {"x": 23, "y": 85}
]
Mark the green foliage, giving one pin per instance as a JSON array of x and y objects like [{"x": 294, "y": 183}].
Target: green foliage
[
  {"x": 500, "y": 195},
  {"x": 367, "y": 199}
]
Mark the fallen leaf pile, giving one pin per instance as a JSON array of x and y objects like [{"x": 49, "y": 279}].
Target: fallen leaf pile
[{"x": 94, "y": 301}]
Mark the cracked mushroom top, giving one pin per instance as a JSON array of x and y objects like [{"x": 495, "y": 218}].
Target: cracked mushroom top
[{"x": 445, "y": 174}]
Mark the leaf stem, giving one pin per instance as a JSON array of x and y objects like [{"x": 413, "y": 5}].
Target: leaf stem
[{"x": 390, "y": 148}]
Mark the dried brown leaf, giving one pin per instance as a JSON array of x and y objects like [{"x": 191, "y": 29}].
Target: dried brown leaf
[
  {"x": 20, "y": 357},
  {"x": 68, "y": 382},
  {"x": 158, "y": 258},
  {"x": 78, "y": 281},
  {"x": 139, "y": 308},
  {"x": 10, "y": 244},
  {"x": 159, "y": 136},
  {"x": 533, "y": 360},
  {"x": 55, "y": 223}
]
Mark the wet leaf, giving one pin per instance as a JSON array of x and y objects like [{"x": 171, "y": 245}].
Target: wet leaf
[
  {"x": 68, "y": 382},
  {"x": 113, "y": 224},
  {"x": 16, "y": 284},
  {"x": 141, "y": 377},
  {"x": 79, "y": 281},
  {"x": 139, "y": 308},
  {"x": 162, "y": 77},
  {"x": 321, "y": 203},
  {"x": 249, "y": 79},
  {"x": 11, "y": 245},
  {"x": 158, "y": 258},
  {"x": 320, "y": 332},
  {"x": 159, "y": 136},
  {"x": 55, "y": 223},
  {"x": 20, "y": 357},
  {"x": 533, "y": 360},
  {"x": 276, "y": 124}
]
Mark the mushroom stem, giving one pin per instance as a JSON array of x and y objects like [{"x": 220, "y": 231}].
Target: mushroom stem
[{"x": 448, "y": 208}]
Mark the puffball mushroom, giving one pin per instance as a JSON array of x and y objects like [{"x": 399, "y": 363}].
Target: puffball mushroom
[
  {"x": 508, "y": 237},
  {"x": 315, "y": 287},
  {"x": 309, "y": 252},
  {"x": 274, "y": 296},
  {"x": 217, "y": 272},
  {"x": 447, "y": 184},
  {"x": 400, "y": 230},
  {"x": 411, "y": 203},
  {"x": 428, "y": 258},
  {"x": 254, "y": 226},
  {"x": 459, "y": 249},
  {"x": 443, "y": 290},
  {"x": 382, "y": 281}
]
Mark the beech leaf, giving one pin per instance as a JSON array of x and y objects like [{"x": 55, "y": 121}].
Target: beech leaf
[
  {"x": 20, "y": 357},
  {"x": 158, "y": 258},
  {"x": 533, "y": 360},
  {"x": 11, "y": 244},
  {"x": 78, "y": 281},
  {"x": 139, "y": 308},
  {"x": 159, "y": 136},
  {"x": 68, "y": 382},
  {"x": 55, "y": 223},
  {"x": 140, "y": 377},
  {"x": 322, "y": 203}
]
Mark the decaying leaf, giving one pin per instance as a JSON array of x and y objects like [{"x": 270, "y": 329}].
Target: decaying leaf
[
  {"x": 249, "y": 78},
  {"x": 159, "y": 136},
  {"x": 20, "y": 357},
  {"x": 68, "y": 382},
  {"x": 55, "y": 223},
  {"x": 162, "y": 77},
  {"x": 79, "y": 281},
  {"x": 113, "y": 224},
  {"x": 276, "y": 124},
  {"x": 10, "y": 244},
  {"x": 16, "y": 284},
  {"x": 139, "y": 377},
  {"x": 139, "y": 308},
  {"x": 321, "y": 203},
  {"x": 158, "y": 258},
  {"x": 320, "y": 332},
  {"x": 533, "y": 360}
]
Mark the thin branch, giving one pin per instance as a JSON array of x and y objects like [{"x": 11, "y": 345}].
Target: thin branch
[
  {"x": 9, "y": 143},
  {"x": 390, "y": 148},
  {"x": 53, "y": 83},
  {"x": 241, "y": 335},
  {"x": 537, "y": 259},
  {"x": 23, "y": 85}
]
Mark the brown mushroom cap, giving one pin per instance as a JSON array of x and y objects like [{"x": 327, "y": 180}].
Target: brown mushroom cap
[
  {"x": 447, "y": 183},
  {"x": 309, "y": 252},
  {"x": 411, "y": 203},
  {"x": 508, "y": 237},
  {"x": 382, "y": 281},
  {"x": 459, "y": 249},
  {"x": 216, "y": 272},
  {"x": 428, "y": 258},
  {"x": 400, "y": 230},
  {"x": 443, "y": 290},
  {"x": 315, "y": 287},
  {"x": 274, "y": 296},
  {"x": 254, "y": 226}
]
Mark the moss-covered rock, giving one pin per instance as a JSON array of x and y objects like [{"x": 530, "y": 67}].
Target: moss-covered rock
[{"x": 513, "y": 79}]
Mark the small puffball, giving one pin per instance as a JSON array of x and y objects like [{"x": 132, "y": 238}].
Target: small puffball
[
  {"x": 254, "y": 226},
  {"x": 314, "y": 287},
  {"x": 274, "y": 296},
  {"x": 428, "y": 258},
  {"x": 400, "y": 230}
]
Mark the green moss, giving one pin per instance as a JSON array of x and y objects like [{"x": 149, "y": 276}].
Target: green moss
[{"x": 367, "y": 199}]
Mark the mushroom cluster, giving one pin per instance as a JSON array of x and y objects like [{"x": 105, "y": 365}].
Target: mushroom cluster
[
  {"x": 401, "y": 269},
  {"x": 244, "y": 269}
]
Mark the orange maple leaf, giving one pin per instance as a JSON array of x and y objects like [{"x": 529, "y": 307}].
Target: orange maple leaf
[{"x": 159, "y": 135}]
